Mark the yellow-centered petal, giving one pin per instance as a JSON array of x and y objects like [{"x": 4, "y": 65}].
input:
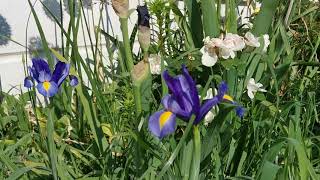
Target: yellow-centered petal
[
  {"x": 46, "y": 85},
  {"x": 165, "y": 116}
]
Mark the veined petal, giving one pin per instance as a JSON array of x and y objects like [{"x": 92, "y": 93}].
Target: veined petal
[
  {"x": 40, "y": 65},
  {"x": 170, "y": 103},
  {"x": 60, "y": 72},
  {"x": 193, "y": 90},
  {"x": 28, "y": 83},
  {"x": 162, "y": 123},
  {"x": 73, "y": 80},
  {"x": 48, "y": 89},
  {"x": 44, "y": 76},
  {"x": 33, "y": 73}
]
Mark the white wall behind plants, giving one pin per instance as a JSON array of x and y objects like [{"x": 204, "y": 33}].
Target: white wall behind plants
[{"x": 16, "y": 13}]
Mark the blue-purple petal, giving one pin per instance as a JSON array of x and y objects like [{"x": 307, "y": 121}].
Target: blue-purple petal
[
  {"x": 205, "y": 108},
  {"x": 240, "y": 111},
  {"x": 73, "y": 80},
  {"x": 39, "y": 65},
  {"x": 44, "y": 76},
  {"x": 193, "y": 92},
  {"x": 167, "y": 128},
  {"x": 33, "y": 73},
  {"x": 60, "y": 72},
  {"x": 222, "y": 90},
  {"x": 170, "y": 103},
  {"x": 51, "y": 91},
  {"x": 28, "y": 83}
]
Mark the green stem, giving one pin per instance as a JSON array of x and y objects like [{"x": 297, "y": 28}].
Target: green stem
[
  {"x": 176, "y": 151},
  {"x": 126, "y": 43},
  {"x": 129, "y": 64},
  {"x": 137, "y": 98},
  {"x": 195, "y": 167},
  {"x": 51, "y": 144}
]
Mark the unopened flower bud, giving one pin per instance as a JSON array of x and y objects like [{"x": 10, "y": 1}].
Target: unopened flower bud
[
  {"x": 144, "y": 34},
  {"x": 140, "y": 72},
  {"x": 121, "y": 7}
]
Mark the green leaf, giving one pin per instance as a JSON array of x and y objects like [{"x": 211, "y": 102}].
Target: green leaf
[{"x": 210, "y": 18}]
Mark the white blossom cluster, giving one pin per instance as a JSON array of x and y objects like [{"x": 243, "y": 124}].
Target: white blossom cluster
[{"x": 227, "y": 47}]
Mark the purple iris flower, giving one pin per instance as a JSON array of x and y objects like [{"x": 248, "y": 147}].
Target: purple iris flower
[
  {"x": 183, "y": 102},
  {"x": 47, "y": 83}
]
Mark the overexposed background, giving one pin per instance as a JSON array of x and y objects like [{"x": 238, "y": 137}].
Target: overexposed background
[{"x": 17, "y": 13}]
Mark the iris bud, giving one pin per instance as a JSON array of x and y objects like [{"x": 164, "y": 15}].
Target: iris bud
[
  {"x": 121, "y": 7},
  {"x": 144, "y": 34}
]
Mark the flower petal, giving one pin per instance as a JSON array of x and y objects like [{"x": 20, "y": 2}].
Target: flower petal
[
  {"x": 240, "y": 111},
  {"x": 162, "y": 123},
  {"x": 222, "y": 90},
  {"x": 250, "y": 94},
  {"x": 60, "y": 72},
  {"x": 28, "y": 83},
  {"x": 44, "y": 76},
  {"x": 209, "y": 60},
  {"x": 205, "y": 108},
  {"x": 73, "y": 80},
  {"x": 170, "y": 103},
  {"x": 48, "y": 90},
  {"x": 193, "y": 90},
  {"x": 40, "y": 65}
]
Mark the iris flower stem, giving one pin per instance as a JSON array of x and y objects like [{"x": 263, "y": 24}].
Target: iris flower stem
[
  {"x": 129, "y": 64},
  {"x": 51, "y": 144},
  {"x": 195, "y": 167},
  {"x": 126, "y": 43},
  {"x": 179, "y": 146}
]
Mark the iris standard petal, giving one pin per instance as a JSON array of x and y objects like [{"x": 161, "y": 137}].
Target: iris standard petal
[
  {"x": 172, "y": 83},
  {"x": 48, "y": 89},
  {"x": 44, "y": 76},
  {"x": 222, "y": 90},
  {"x": 40, "y": 65},
  {"x": 28, "y": 83},
  {"x": 194, "y": 95},
  {"x": 205, "y": 108},
  {"x": 162, "y": 123},
  {"x": 170, "y": 103},
  {"x": 33, "y": 73},
  {"x": 60, "y": 72},
  {"x": 73, "y": 80}
]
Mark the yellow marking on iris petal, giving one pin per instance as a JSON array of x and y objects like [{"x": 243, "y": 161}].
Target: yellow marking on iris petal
[
  {"x": 227, "y": 97},
  {"x": 165, "y": 116},
  {"x": 46, "y": 85}
]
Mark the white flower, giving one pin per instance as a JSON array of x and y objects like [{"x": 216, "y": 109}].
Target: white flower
[
  {"x": 251, "y": 40},
  {"x": 209, "y": 51},
  {"x": 253, "y": 87},
  {"x": 266, "y": 42},
  {"x": 231, "y": 44},
  {"x": 155, "y": 64}
]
